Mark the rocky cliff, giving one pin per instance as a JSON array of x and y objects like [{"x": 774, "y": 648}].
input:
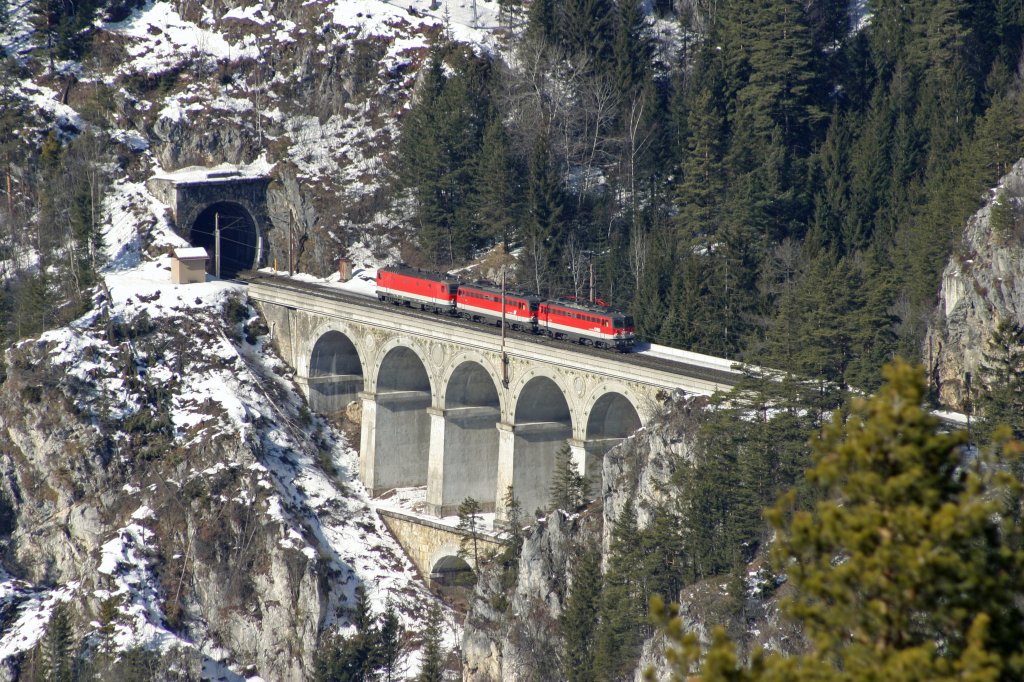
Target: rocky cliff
[
  {"x": 512, "y": 631},
  {"x": 161, "y": 475},
  {"x": 981, "y": 285}
]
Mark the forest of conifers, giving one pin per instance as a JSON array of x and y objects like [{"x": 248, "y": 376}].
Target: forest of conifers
[{"x": 787, "y": 193}]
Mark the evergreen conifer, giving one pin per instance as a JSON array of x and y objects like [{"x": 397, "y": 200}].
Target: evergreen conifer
[{"x": 905, "y": 569}]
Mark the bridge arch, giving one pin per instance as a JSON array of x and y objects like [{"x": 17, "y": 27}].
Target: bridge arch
[
  {"x": 543, "y": 423},
  {"x": 239, "y": 237},
  {"x": 335, "y": 372},
  {"x": 402, "y": 369},
  {"x": 448, "y": 569},
  {"x": 463, "y": 439},
  {"x": 395, "y": 433},
  {"x": 541, "y": 398},
  {"x": 456, "y": 371},
  {"x": 612, "y": 415}
]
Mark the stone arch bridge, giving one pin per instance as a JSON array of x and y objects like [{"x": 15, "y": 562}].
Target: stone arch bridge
[{"x": 442, "y": 407}]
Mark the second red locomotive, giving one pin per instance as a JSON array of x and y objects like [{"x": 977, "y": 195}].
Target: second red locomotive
[{"x": 561, "y": 319}]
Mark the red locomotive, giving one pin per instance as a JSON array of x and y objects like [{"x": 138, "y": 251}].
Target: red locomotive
[
  {"x": 600, "y": 327},
  {"x": 418, "y": 289},
  {"x": 560, "y": 319}
]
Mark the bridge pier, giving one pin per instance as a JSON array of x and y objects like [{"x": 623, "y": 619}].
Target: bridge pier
[
  {"x": 463, "y": 458},
  {"x": 526, "y": 461},
  {"x": 588, "y": 456},
  {"x": 332, "y": 393},
  {"x": 393, "y": 449}
]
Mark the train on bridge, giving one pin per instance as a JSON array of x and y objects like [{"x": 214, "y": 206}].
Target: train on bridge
[{"x": 590, "y": 325}]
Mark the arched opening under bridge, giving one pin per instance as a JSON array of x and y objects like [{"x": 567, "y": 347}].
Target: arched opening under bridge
[
  {"x": 464, "y": 442},
  {"x": 396, "y": 425},
  {"x": 543, "y": 425},
  {"x": 335, "y": 373}
]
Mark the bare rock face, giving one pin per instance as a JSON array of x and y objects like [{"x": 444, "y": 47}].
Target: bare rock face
[
  {"x": 640, "y": 469},
  {"x": 511, "y": 631},
  {"x": 982, "y": 284},
  {"x": 192, "y": 537}
]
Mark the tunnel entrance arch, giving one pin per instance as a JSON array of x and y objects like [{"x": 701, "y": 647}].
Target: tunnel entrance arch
[
  {"x": 335, "y": 373},
  {"x": 239, "y": 239}
]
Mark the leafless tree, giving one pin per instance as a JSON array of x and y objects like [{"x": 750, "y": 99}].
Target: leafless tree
[{"x": 579, "y": 261}]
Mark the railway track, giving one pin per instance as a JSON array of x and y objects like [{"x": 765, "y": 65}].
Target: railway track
[{"x": 680, "y": 367}]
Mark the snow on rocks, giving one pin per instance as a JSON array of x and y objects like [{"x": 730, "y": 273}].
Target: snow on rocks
[
  {"x": 33, "y": 611},
  {"x": 160, "y": 37},
  {"x": 231, "y": 389},
  {"x": 125, "y": 561}
]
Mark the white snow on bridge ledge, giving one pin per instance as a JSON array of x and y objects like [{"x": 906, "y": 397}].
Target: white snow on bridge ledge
[{"x": 689, "y": 357}]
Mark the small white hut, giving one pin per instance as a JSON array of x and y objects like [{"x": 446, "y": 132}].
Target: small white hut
[{"x": 188, "y": 265}]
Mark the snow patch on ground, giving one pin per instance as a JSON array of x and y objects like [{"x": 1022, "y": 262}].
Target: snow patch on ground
[
  {"x": 860, "y": 15},
  {"x": 160, "y": 38}
]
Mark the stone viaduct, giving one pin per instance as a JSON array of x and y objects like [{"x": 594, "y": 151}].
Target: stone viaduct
[{"x": 443, "y": 408}]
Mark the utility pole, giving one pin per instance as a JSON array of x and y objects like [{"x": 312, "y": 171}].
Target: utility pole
[
  {"x": 289, "y": 243},
  {"x": 216, "y": 245},
  {"x": 504, "y": 356},
  {"x": 591, "y": 261}
]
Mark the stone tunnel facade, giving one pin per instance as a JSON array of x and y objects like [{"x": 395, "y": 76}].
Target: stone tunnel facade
[{"x": 238, "y": 199}]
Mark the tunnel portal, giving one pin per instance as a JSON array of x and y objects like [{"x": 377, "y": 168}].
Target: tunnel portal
[
  {"x": 238, "y": 238},
  {"x": 233, "y": 195}
]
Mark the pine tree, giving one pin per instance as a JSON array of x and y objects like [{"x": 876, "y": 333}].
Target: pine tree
[
  {"x": 440, "y": 140},
  {"x": 587, "y": 27},
  {"x": 469, "y": 525},
  {"x": 544, "y": 233},
  {"x": 579, "y": 618},
  {"x": 433, "y": 660},
  {"x": 1002, "y": 402},
  {"x": 780, "y": 88},
  {"x": 928, "y": 586},
  {"x": 360, "y": 615},
  {"x": 620, "y": 630},
  {"x": 703, "y": 182},
  {"x": 631, "y": 49},
  {"x": 351, "y": 659},
  {"x": 514, "y": 519},
  {"x": 108, "y": 616},
  {"x": 57, "y": 647},
  {"x": 389, "y": 644},
  {"x": 496, "y": 199},
  {"x": 569, "y": 488},
  {"x": 542, "y": 21}
]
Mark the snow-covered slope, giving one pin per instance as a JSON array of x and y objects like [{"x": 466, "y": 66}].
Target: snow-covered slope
[{"x": 179, "y": 447}]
